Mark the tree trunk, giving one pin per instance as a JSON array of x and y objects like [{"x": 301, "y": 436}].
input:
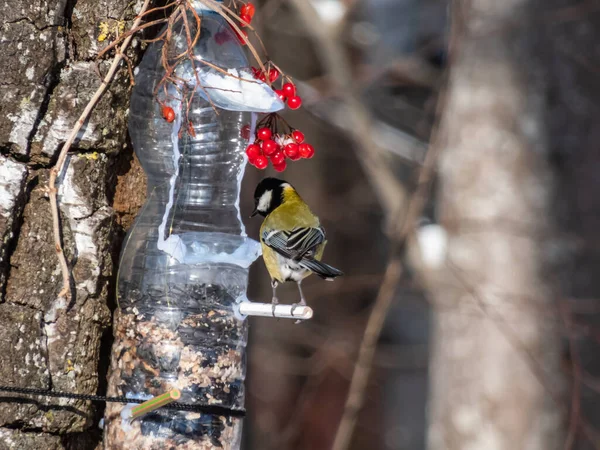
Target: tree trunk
[
  {"x": 47, "y": 76},
  {"x": 496, "y": 380}
]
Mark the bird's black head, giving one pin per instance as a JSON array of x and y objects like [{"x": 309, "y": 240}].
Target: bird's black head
[{"x": 268, "y": 196}]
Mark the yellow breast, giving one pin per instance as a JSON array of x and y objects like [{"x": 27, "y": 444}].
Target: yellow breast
[{"x": 292, "y": 213}]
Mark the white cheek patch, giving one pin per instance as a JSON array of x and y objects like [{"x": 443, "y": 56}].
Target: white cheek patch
[{"x": 265, "y": 201}]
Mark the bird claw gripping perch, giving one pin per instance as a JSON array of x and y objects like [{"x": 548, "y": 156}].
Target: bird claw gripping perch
[{"x": 298, "y": 311}]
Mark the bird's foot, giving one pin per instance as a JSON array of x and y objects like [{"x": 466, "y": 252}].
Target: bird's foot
[{"x": 274, "y": 303}]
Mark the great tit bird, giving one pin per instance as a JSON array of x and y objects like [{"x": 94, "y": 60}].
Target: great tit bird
[{"x": 291, "y": 236}]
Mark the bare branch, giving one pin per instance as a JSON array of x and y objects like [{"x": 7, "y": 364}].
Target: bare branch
[
  {"x": 60, "y": 163},
  {"x": 390, "y": 191}
]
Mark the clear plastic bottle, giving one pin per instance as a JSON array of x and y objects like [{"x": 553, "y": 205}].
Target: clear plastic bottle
[{"x": 185, "y": 261}]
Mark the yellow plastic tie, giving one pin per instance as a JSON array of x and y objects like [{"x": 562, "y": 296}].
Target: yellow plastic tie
[{"x": 155, "y": 403}]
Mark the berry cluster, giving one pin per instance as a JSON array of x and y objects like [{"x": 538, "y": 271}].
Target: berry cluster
[
  {"x": 274, "y": 139},
  {"x": 288, "y": 89},
  {"x": 246, "y": 14},
  {"x": 276, "y": 146},
  {"x": 288, "y": 92},
  {"x": 272, "y": 73}
]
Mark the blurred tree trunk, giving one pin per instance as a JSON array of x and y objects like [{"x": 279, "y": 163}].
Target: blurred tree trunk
[{"x": 496, "y": 380}]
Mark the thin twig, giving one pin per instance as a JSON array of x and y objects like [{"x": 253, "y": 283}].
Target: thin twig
[
  {"x": 385, "y": 296},
  {"x": 60, "y": 163},
  {"x": 251, "y": 28},
  {"x": 219, "y": 8},
  {"x": 388, "y": 188},
  {"x": 392, "y": 195}
]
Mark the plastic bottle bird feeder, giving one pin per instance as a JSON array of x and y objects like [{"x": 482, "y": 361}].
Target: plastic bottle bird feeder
[{"x": 184, "y": 265}]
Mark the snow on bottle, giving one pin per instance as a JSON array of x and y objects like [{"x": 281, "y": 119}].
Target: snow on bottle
[{"x": 185, "y": 261}]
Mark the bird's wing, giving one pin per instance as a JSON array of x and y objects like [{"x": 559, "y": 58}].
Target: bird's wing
[{"x": 295, "y": 244}]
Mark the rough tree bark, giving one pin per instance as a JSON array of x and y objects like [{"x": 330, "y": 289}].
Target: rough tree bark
[
  {"x": 47, "y": 76},
  {"x": 496, "y": 379}
]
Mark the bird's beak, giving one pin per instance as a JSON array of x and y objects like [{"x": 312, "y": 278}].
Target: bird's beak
[{"x": 255, "y": 212}]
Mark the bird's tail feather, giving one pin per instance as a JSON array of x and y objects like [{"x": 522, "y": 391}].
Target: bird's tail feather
[{"x": 323, "y": 270}]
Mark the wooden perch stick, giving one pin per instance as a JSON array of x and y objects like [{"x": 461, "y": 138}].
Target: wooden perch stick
[{"x": 60, "y": 163}]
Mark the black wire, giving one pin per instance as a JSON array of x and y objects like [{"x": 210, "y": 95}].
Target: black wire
[{"x": 177, "y": 406}]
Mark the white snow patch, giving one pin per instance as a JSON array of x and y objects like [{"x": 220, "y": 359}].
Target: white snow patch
[
  {"x": 202, "y": 248},
  {"x": 281, "y": 140},
  {"x": 238, "y": 91},
  {"x": 172, "y": 246},
  {"x": 244, "y": 253},
  {"x": 240, "y": 177},
  {"x": 201, "y": 6}
]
